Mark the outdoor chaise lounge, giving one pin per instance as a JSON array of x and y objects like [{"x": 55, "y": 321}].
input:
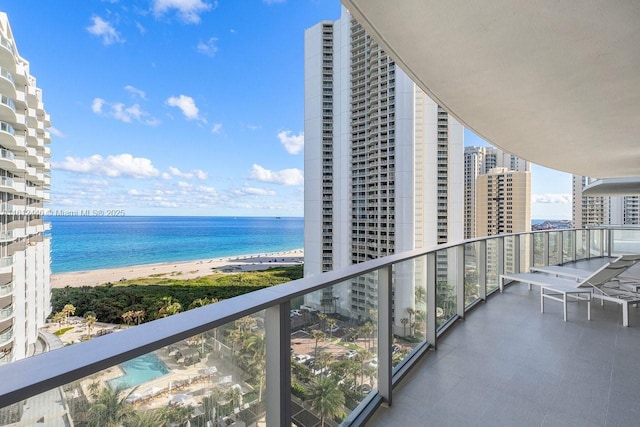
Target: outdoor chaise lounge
[{"x": 572, "y": 283}]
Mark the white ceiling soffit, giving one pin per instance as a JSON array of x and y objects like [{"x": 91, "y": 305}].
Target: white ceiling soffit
[
  {"x": 613, "y": 187},
  {"x": 555, "y": 82}
]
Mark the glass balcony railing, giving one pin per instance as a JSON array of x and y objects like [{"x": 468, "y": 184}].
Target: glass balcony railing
[{"x": 275, "y": 355}]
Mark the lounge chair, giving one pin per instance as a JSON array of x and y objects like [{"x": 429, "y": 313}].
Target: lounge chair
[{"x": 575, "y": 285}]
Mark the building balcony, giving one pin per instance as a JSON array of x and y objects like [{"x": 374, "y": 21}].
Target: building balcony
[
  {"x": 6, "y": 337},
  {"x": 412, "y": 299}
]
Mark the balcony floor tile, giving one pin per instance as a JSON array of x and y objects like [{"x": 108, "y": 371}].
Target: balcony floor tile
[{"x": 508, "y": 364}]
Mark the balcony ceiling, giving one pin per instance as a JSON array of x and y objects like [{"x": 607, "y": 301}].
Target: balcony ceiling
[{"x": 554, "y": 82}]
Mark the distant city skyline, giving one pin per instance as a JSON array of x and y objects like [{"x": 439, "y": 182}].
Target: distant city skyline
[{"x": 186, "y": 107}]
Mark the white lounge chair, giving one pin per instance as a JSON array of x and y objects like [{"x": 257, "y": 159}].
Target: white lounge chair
[{"x": 575, "y": 285}]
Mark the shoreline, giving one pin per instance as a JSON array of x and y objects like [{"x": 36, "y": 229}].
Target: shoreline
[{"x": 179, "y": 269}]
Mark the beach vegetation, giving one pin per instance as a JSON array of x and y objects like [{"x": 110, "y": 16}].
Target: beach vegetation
[{"x": 111, "y": 301}]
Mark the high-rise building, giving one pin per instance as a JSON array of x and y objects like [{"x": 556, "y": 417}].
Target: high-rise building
[
  {"x": 383, "y": 162},
  {"x": 24, "y": 182},
  {"x": 479, "y": 161},
  {"x": 503, "y": 202},
  {"x": 602, "y": 210}
]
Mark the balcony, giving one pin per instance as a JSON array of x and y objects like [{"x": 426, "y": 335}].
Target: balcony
[{"x": 503, "y": 345}]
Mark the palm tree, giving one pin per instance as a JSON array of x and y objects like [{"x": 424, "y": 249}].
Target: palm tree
[
  {"x": 148, "y": 418},
  {"x": 317, "y": 335},
  {"x": 410, "y": 312},
  {"x": 322, "y": 317},
  {"x": 169, "y": 307},
  {"x": 90, "y": 319},
  {"x": 139, "y": 316},
  {"x": 326, "y": 399},
  {"x": 59, "y": 318},
  {"x": 256, "y": 345},
  {"x": 127, "y": 317},
  {"x": 331, "y": 323},
  {"x": 404, "y": 322},
  {"x": 367, "y": 330},
  {"x": 68, "y": 310},
  {"x": 110, "y": 408}
]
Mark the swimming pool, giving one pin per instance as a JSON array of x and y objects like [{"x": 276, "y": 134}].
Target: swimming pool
[{"x": 138, "y": 371}]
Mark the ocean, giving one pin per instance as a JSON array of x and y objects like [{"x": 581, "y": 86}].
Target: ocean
[{"x": 80, "y": 243}]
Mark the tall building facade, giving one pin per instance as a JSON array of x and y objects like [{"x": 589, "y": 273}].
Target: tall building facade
[
  {"x": 479, "y": 161},
  {"x": 503, "y": 202},
  {"x": 602, "y": 210},
  {"x": 383, "y": 162},
  {"x": 24, "y": 183}
]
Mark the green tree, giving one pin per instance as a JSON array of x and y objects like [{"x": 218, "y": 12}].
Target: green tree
[
  {"x": 90, "y": 319},
  {"x": 110, "y": 408},
  {"x": 318, "y": 336},
  {"x": 169, "y": 307},
  {"x": 68, "y": 310},
  {"x": 331, "y": 323},
  {"x": 149, "y": 418},
  {"x": 326, "y": 399},
  {"x": 404, "y": 322},
  {"x": 59, "y": 318}
]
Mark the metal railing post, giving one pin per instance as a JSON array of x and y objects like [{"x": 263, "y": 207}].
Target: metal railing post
[
  {"x": 278, "y": 364},
  {"x": 385, "y": 333},
  {"x": 431, "y": 299}
]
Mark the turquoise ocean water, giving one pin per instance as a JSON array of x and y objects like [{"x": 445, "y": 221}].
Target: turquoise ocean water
[{"x": 81, "y": 243}]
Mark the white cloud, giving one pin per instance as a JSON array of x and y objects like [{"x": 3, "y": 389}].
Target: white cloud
[
  {"x": 123, "y": 113},
  {"x": 166, "y": 175},
  {"x": 183, "y": 184},
  {"x": 133, "y": 192},
  {"x": 258, "y": 191},
  {"x": 119, "y": 165},
  {"x": 188, "y": 10},
  {"x": 551, "y": 198},
  {"x": 56, "y": 132},
  {"x": 187, "y": 105},
  {"x": 287, "y": 177},
  {"x": 105, "y": 31},
  {"x": 97, "y": 104},
  {"x": 196, "y": 173},
  {"x": 140, "y": 28},
  {"x": 208, "y": 190},
  {"x": 208, "y": 48},
  {"x": 217, "y": 127},
  {"x": 135, "y": 92},
  {"x": 292, "y": 143}
]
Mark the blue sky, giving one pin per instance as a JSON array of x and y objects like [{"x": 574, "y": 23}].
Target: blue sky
[{"x": 184, "y": 107}]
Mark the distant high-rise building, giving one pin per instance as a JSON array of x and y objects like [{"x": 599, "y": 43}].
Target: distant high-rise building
[
  {"x": 383, "y": 162},
  {"x": 479, "y": 161},
  {"x": 24, "y": 182},
  {"x": 602, "y": 210},
  {"x": 503, "y": 202}
]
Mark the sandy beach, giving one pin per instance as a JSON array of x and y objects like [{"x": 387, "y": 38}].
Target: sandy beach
[{"x": 182, "y": 270}]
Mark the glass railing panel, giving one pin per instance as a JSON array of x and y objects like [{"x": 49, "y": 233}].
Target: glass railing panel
[
  {"x": 333, "y": 350},
  {"x": 538, "y": 250},
  {"x": 555, "y": 257},
  {"x": 596, "y": 243},
  {"x": 213, "y": 378},
  {"x": 568, "y": 246},
  {"x": 581, "y": 244},
  {"x": 446, "y": 286},
  {"x": 471, "y": 273},
  {"x": 410, "y": 308},
  {"x": 625, "y": 241},
  {"x": 492, "y": 265},
  {"x": 509, "y": 257},
  {"x": 525, "y": 252}
]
